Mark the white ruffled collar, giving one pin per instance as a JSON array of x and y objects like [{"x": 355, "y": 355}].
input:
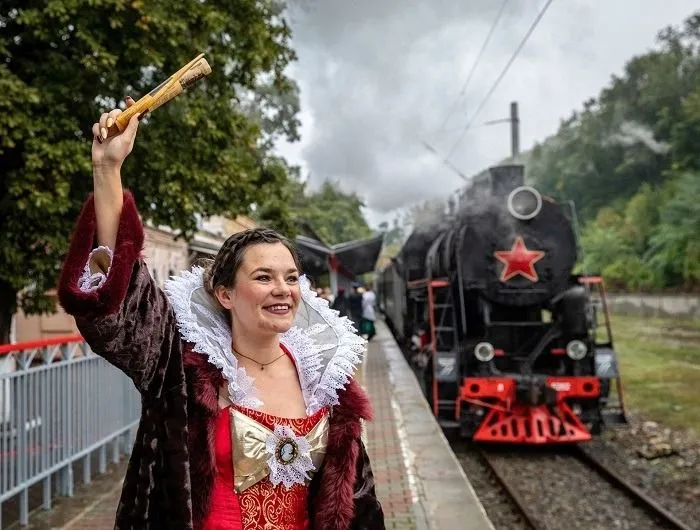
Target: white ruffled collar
[{"x": 324, "y": 345}]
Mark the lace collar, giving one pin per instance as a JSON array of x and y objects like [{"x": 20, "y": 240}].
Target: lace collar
[{"x": 324, "y": 345}]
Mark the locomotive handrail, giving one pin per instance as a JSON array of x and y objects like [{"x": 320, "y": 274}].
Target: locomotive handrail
[
  {"x": 423, "y": 282},
  {"x": 519, "y": 324},
  {"x": 598, "y": 280}
]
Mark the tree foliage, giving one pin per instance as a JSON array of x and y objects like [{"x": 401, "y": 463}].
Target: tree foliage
[
  {"x": 64, "y": 62},
  {"x": 335, "y": 215},
  {"x": 394, "y": 239},
  {"x": 629, "y": 160}
]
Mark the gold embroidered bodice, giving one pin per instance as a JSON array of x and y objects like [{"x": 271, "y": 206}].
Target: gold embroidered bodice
[{"x": 251, "y": 438}]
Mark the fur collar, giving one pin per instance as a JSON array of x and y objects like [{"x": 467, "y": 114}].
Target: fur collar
[{"x": 130, "y": 238}]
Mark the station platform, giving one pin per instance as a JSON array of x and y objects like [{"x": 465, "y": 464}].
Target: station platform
[{"x": 419, "y": 481}]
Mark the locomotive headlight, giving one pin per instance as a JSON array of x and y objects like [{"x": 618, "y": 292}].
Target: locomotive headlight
[
  {"x": 524, "y": 203},
  {"x": 484, "y": 352},
  {"x": 576, "y": 350}
]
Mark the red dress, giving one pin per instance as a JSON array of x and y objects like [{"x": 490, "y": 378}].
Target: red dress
[{"x": 261, "y": 506}]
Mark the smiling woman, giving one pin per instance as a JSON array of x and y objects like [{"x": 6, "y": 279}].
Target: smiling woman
[
  {"x": 255, "y": 279},
  {"x": 251, "y": 417}
]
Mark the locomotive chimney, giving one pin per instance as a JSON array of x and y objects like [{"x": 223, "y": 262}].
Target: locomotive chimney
[{"x": 505, "y": 179}]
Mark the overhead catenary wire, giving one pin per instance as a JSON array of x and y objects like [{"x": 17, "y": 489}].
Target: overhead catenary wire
[
  {"x": 474, "y": 66},
  {"x": 500, "y": 77},
  {"x": 447, "y": 163}
]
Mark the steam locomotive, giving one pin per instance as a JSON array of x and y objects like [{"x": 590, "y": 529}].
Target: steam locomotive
[{"x": 507, "y": 342}]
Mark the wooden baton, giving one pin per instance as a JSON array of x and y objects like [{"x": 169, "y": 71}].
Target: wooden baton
[{"x": 167, "y": 90}]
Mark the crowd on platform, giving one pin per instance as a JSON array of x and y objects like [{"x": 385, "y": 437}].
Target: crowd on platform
[{"x": 358, "y": 306}]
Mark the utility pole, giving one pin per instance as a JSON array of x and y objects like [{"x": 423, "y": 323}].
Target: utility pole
[
  {"x": 514, "y": 130},
  {"x": 514, "y": 120}
]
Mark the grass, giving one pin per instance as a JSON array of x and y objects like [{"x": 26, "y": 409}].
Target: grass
[{"x": 660, "y": 366}]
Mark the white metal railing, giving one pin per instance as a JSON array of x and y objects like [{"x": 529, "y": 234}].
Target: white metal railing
[{"x": 59, "y": 403}]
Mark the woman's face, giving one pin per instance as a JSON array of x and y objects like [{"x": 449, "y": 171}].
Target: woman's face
[{"x": 265, "y": 295}]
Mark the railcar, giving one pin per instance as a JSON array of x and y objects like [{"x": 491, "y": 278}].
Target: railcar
[{"x": 508, "y": 343}]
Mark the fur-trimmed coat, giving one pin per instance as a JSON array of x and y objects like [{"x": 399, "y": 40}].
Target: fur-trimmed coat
[{"x": 168, "y": 484}]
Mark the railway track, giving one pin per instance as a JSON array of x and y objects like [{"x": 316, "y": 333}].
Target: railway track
[
  {"x": 649, "y": 504},
  {"x": 565, "y": 489},
  {"x": 529, "y": 515}
]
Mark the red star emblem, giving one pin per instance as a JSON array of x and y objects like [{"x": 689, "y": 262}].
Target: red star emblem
[{"x": 519, "y": 260}]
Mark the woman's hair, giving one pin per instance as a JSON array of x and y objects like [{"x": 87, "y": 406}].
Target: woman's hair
[{"x": 222, "y": 270}]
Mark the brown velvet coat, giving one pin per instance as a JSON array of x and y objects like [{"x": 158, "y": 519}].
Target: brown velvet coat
[{"x": 129, "y": 321}]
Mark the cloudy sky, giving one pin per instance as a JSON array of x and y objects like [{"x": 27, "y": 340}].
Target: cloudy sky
[{"x": 379, "y": 77}]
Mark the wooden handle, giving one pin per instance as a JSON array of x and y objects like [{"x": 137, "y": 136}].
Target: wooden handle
[
  {"x": 167, "y": 90},
  {"x": 196, "y": 72}
]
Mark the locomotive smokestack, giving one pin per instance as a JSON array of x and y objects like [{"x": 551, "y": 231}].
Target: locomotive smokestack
[{"x": 505, "y": 179}]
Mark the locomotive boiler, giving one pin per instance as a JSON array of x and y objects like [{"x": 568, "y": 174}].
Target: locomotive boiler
[{"x": 508, "y": 343}]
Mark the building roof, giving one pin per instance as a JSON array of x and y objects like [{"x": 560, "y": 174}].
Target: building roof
[{"x": 355, "y": 257}]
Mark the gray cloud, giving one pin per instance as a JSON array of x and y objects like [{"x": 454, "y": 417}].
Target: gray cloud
[{"x": 378, "y": 77}]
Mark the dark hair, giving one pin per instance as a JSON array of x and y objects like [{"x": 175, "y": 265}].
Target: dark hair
[{"x": 222, "y": 270}]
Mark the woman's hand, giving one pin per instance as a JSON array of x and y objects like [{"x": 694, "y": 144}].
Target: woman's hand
[{"x": 108, "y": 154}]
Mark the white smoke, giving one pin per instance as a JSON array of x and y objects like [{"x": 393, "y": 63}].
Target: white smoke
[{"x": 632, "y": 133}]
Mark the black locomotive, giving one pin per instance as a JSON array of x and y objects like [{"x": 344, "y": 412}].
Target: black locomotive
[{"x": 505, "y": 339}]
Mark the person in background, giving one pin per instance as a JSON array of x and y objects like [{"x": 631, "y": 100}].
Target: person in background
[
  {"x": 340, "y": 303},
  {"x": 328, "y": 295},
  {"x": 355, "y": 305},
  {"x": 369, "y": 299}
]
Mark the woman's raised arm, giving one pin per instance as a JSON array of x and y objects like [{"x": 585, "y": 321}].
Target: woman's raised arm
[
  {"x": 105, "y": 284},
  {"x": 108, "y": 155}
]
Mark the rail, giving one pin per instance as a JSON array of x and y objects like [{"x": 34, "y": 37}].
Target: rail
[
  {"x": 649, "y": 504},
  {"x": 528, "y": 514},
  {"x": 657, "y": 513},
  {"x": 60, "y": 403}
]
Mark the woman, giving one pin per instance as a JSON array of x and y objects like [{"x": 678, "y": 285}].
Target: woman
[
  {"x": 368, "y": 315},
  {"x": 255, "y": 429}
]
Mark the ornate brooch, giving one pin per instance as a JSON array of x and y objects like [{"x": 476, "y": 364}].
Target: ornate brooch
[{"x": 290, "y": 457}]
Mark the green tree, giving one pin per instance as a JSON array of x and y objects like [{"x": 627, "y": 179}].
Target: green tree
[
  {"x": 62, "y": 63},
  {"x": 615, "y": 243},
  {"x": 334, "y": 214},
  {"x": 630, "y": 161},
  {"x": 626, "y": 136},
  {"x": 394, "y": 235},
  {"x": 686, "y": 132},
  {"x": 674, "y": 246},
  {"x": 394, "y": 238}
]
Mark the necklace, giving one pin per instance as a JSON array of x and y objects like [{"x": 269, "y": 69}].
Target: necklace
[{"x": 262, "y": 365}]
